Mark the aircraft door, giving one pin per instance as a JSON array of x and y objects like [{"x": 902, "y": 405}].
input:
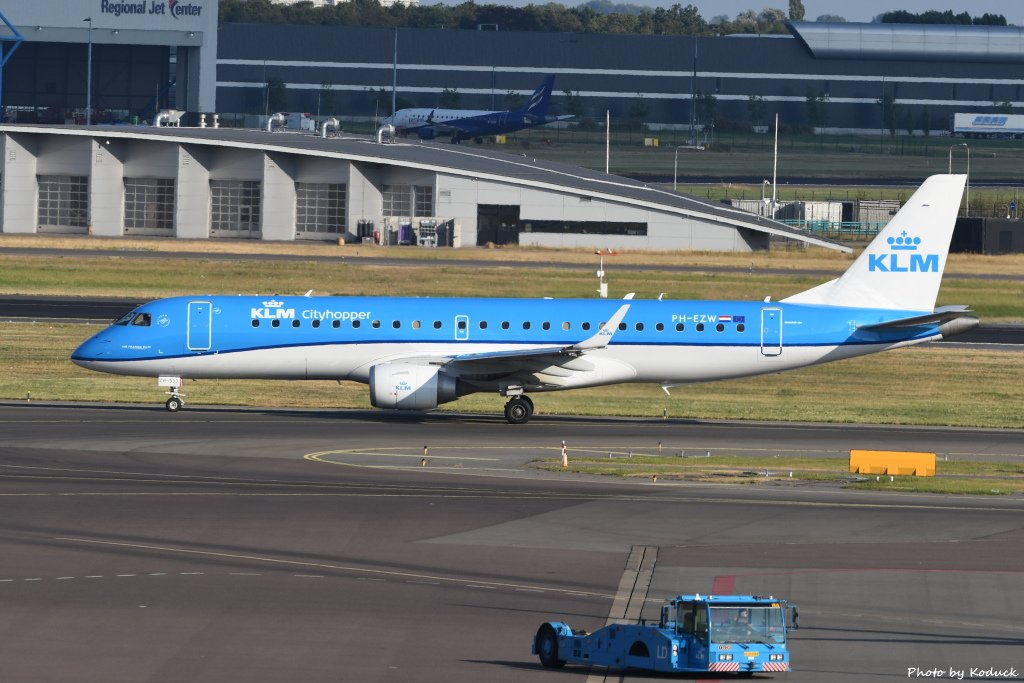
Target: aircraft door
[
  {"x": 461, "y": 328},
  {"x": 200, "y": 326},
  {"x": 771, "y": 331}
]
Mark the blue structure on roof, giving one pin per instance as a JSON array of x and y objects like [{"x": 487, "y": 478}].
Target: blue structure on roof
[{"x": 8, "y": 44}]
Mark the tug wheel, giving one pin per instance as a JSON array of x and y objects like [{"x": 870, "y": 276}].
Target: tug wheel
[{"x": 547, "y": 647}]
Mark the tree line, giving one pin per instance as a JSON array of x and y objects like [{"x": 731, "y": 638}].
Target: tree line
[{"x": 595, "y": 16}]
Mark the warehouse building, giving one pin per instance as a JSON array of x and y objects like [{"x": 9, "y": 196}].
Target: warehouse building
[
  {"x": 228, "y": 183},
  {"x": 930, "y": 71}
]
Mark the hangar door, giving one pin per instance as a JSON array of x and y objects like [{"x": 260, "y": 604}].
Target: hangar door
[{"x": 497, "y": 223}]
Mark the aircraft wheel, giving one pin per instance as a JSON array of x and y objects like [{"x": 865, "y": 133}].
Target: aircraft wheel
[
  {"x": 174, "y": 404},
  {"x": 518, "y": 411},
  {"x": 526, "y": 399},
  {"x": 547, "y": 647}
]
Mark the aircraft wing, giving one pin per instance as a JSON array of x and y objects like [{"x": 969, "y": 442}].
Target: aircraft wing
[
  {"x": 510, "y": 362},
  {"x": 942, "y": 314}
]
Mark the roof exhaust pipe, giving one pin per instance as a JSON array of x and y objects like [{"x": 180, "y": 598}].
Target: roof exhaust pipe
[
  {"x": 275, "y": 120},
  {"x": 385, "y": 134},
  {"x": 331, "y": 123}
]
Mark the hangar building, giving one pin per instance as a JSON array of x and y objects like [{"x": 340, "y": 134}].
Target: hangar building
[
  {"x": 156, "y": 54},
  {"x": 231, "y": 183}
]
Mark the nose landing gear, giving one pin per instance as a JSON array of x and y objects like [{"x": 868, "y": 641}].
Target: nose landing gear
[
  {"x": 519, "y": 410},
  {"x": 173, "y": 384}
]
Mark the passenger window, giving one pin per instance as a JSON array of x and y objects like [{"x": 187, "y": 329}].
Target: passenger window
[
  {"x": 546, "y": 325},
  {"x": 437, "y": 324},
  {"x": 295, "y": 323},
  {"x": 660, "y": 327},
  {"x": 566, "y": 326},
  {"x": 375, "y": 324},
  {"x": 504, "y": 325},
  {"x": 461, "y": 324},
  {"x": 396, "y": 324},
  {"x": 741, "y": 327},
  {"x": 483, "y": 324},
  {"x": 255, "y": 323},
  {"x": 679, "y": 327},
  {"x": 142, "y": 320},
  {"x": 355, "y": 323},
  {"x": 720, "y": 327},
  {"x": 316, "y": 324},
  {"x": 700, "y": 327},
  {"x": 337, "y": 323},
  {"x": 639, "y": 327},
  {"x": 601, "y": 325},
  {"x": 585, "y": 326},
  {"x": 275, "y": 323},
  {"x": 415, "y": 324},
  {"x": 622, "y": 326},
  {"x": 526, "y": 325}
]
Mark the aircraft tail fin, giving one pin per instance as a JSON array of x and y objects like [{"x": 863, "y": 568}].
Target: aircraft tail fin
[
  {"x": 537, "y": 106},
  {"x": 902, "y": 267}
]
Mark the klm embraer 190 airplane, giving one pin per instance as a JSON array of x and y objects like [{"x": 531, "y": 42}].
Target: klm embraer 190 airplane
[{"x": 417, "y": 353}]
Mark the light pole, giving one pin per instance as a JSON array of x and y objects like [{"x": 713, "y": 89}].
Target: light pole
[
  {"x": 968, "y": 185},
  {"x": 88, "y": 78}
]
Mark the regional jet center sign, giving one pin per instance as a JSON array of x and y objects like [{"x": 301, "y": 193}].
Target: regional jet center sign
[
  {"x": 174, "y": 9},
  {"x": 62, "y": 21}
]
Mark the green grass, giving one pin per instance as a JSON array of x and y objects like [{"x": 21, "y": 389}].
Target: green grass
[
  {"x": 976, "y": 388},
  {"x": 868, "y": 157},
  {"x": 958, "y": 477}
]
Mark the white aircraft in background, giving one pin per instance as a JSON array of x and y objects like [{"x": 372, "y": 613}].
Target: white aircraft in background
[{"x": 417, "y": 353}]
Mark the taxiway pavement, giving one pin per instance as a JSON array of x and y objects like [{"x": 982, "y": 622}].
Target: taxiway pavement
[{"x": 205, "y": 546}]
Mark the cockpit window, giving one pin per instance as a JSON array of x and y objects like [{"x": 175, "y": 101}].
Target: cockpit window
[
  {"x": 125, "y": 319},
  {"x": 142, "y": 320}
]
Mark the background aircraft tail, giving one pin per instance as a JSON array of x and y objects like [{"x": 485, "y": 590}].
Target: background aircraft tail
[
  {"x": 902, "y": 267},
  {"x": 537, "y": 106}
]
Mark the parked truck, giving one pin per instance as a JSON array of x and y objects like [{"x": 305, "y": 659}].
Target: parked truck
[
  {"x": 742, "y": 634},
  {"x": 987, "y": 126}
]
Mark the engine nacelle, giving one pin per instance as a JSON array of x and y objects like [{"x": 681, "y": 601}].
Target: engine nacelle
[
  {"x": 409, "y": 386},
  {"x": 426, "y": 133}
]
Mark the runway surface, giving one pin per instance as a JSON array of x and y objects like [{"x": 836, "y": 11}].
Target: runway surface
[
  {"x": 76, "y": 309},
  {"x": 457, "y": 263},
  {"x": 266, "y": 545}
]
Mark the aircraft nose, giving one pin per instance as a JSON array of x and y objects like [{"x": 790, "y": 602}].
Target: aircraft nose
[{"x": 91, "y": 350}]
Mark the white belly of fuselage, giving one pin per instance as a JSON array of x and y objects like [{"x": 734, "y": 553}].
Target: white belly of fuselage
[{"x": 618, "y": 363}]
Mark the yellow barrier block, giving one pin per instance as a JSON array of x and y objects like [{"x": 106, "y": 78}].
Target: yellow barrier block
[{"x": 904, "y": 463}]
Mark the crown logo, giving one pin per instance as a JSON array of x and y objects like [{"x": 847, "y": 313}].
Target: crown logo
[
  {"x": 273, "y": 304},
  {"x": 904, "y": 242}
]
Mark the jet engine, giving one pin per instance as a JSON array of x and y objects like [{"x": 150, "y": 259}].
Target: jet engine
[
  {"x": 426, "y": 133},
  {"x": 408, "y": 386}
]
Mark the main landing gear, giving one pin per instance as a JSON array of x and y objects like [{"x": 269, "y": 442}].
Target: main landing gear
[{"x": 519, "y": 410}]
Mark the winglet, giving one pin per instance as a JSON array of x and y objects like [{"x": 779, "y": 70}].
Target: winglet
[{"x": 605, "y": 334}]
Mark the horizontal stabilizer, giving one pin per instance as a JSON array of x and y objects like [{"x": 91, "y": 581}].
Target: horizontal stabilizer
[{"x": 943, "y": 314}]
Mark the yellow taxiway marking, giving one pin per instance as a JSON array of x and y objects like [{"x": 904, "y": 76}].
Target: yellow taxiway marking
[{"x": 337, "y": 567}]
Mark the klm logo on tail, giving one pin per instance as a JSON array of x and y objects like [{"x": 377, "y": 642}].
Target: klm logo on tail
[{"x": 903, "y": 257}]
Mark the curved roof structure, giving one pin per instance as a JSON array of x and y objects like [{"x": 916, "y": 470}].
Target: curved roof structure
[
  {"x": 930, "y": 42},
  {"x": 455, "y": 160}
]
